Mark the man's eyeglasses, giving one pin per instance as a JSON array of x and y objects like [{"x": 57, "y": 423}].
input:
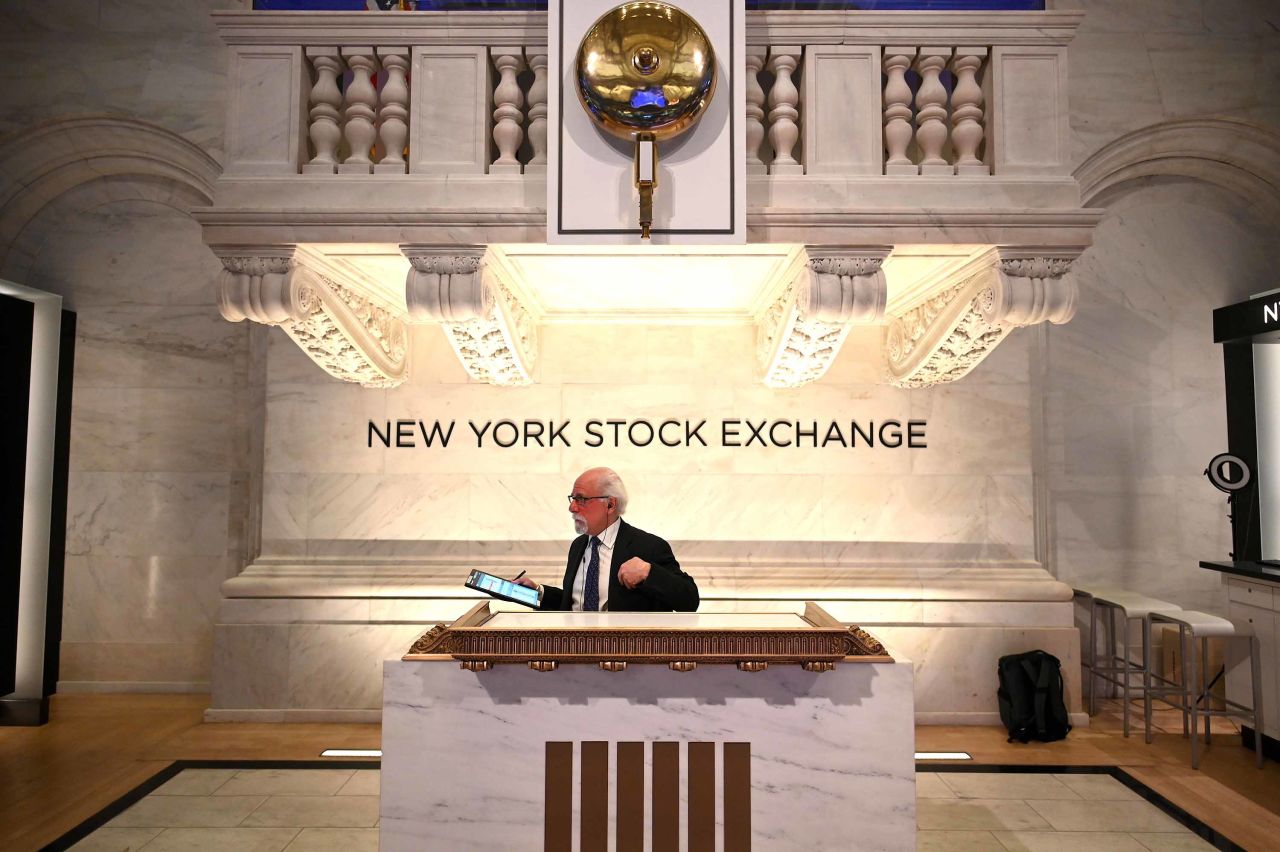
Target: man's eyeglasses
[{"x": 580, "y": 499}]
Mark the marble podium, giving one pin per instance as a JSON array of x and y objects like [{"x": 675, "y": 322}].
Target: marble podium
[{"x": 647, "y": 731}]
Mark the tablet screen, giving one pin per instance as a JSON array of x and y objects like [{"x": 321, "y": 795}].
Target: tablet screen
[{"x": 501, "y": 588}]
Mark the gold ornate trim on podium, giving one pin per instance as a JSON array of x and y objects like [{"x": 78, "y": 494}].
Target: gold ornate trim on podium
[{"x": 817, "y": 644}]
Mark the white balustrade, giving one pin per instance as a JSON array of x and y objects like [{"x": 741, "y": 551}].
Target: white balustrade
[
  {"x": 959, "y": 94},
  {"x": 966, "y": 111},
  {"x": 784, "y": 115},
  {"x": 755, "y": 111},
  {"x": 393, "y": 111},
  {"x": 931, "y": 110},
  {"x": 897, "y": 111},
  {"x": 360, "y": 111},
  {"x": 326, "y": 99},
  {"x": 947, "y": 141},
  {"x": 537, "y": 111},
  {"x": 507, "y": 101}
]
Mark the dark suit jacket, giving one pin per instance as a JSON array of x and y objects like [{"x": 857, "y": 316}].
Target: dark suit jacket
[{"x": 666, "y": 588}]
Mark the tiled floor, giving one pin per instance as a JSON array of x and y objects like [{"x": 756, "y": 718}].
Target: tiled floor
[
  {"x": 982, "y": 811},
  {"x": 249, "y": 810},
  {"x": 315, "y": 810}
]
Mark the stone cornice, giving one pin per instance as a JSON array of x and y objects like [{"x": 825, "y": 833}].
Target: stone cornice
[
  {"x": 942, "y": 337},
  {"x": 344, "y": 28},
  {"x": 350, "y": 335},
  {"x": 514, "y": 27},
  {"x": 912, "y": 27},
  {"x": 493, "y": 332},
  {"x": 801, "y": 332}
]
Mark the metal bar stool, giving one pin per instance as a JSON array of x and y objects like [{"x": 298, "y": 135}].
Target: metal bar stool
[
  {"x": 1193, "y": 625},
  {"x": 1119, "y": 669},
  {"x": 1089, "y": 659}
]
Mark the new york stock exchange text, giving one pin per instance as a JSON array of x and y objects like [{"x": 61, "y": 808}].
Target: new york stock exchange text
[{"x": 729, "y": 432}]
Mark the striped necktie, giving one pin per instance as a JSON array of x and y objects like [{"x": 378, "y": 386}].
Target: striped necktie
[{"x": 591, "y": 592}]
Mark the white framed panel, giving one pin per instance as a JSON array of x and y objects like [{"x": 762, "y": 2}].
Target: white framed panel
[
  {"x": 701, "y": 194},
  {"x": 450, "y": 101},
  {"x": 1030, "y": 129},
  {"x": 843, "y": 116},
  {"x": 266, "y": 114}
]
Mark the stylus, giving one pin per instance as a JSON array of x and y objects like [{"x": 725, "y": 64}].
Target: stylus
[{"x": 518, "y": 576}]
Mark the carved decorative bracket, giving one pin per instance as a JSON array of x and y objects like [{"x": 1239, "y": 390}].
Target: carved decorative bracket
[
  {"x": 942, "y": 338},
  {"x": 802, "y": 331},
  {"x": 493, "y": 333},
  {"x": 350, "y": 335}
]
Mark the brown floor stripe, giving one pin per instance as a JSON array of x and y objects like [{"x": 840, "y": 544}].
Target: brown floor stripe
[
  {"x": 666, "y": 797},
  {"x": 557, "y": 824},
  {"x": 702, "y": 797},
  {"x": 594, "y": 812},
  {"x": 737, "y": 797},
  {"x": 630, "y": 809}
]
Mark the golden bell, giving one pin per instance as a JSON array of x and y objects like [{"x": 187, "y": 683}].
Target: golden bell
[{"x": 645, "y": 67}]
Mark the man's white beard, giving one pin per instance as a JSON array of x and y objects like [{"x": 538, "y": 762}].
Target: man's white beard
[{"x": 579, "y": 524}]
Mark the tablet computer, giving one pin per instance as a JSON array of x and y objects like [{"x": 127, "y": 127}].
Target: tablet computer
[{"x": 502, "y": 589}]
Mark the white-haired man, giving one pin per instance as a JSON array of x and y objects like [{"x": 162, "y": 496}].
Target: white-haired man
[{"x": 613, "y": 565}]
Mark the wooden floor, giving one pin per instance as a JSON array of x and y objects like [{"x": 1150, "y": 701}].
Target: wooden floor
[{"x": 98, "y": 747}]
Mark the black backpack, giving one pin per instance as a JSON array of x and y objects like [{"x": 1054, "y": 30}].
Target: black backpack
[{"x": 1030, "y": 697}]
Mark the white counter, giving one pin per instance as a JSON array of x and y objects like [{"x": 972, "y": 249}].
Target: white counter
[{"x": 465, "y": 753}]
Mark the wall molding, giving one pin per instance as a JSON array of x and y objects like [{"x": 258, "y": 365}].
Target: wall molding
[
  {"x": 1240, "y": 156},
  {"x": 42, "y": 163}
]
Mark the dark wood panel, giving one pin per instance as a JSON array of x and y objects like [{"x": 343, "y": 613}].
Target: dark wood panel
[
  {"x": 593, "y": 816},
  {"x": 629, "y": 833},
  {"x": 702, "y": 797},
  {"x": 557, "y": 828},
  {"x": 737, "y": 797},
  {"x": 666, "y": 797}
]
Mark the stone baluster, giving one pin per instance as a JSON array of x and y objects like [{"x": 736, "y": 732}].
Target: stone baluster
[
  {"x": 784, "y": 128},
  {"x": 324, "y": 130},
  {"x": 755, "y": 111},
  {"x": 966, "y": 111},
  {"x": 393, "y": 111},
  {"x": 897, "y": 111},
  {"x": 931, "y": 111},
  {"x": 537, "y": 110},
  {"x": 361, "y": 108},
  {"x": 508, "y": 102}
]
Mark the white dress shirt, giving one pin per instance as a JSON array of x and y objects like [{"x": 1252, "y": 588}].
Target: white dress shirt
[{"x": 607, "y": 538}]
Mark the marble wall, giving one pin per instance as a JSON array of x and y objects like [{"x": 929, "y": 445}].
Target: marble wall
[
  {"x": 1134, "y": 391},
  {"x": 162, "y": 414},
  {"x": 158, "y": 491},
  {"x": 326, "y": 490},
  {"x": 158, "y": 62},
  {"x": 171, "y": 401},
  {"x": 1134, "y": 63}
]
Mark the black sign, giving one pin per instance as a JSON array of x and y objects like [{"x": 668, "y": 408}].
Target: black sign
[{"x": 1257, "y": 319}]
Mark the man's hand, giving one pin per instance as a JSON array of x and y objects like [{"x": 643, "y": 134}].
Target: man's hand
[
  {"x": 633, "y": 572},
  {"x": 527, "y": 582}
]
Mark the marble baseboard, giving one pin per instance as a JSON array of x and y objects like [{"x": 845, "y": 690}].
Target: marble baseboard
[
  {"x": 853, "y": 574},
  {"x": 186, "y": 687},
  {"x": 956, "y": 666},
  {"x": 129, "y": 662},
  {"x": 922, "y": 717},
  {"x": 351, "y": 717},
  {"x": 309, "y": 634},
  {"x": 929, "y": 717},
  {"x": 334, "y": 667}
]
